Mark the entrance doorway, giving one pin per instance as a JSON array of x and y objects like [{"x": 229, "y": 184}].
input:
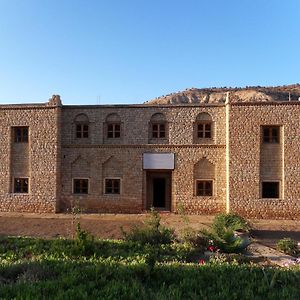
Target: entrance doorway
[{"x": 159, "y": 190}]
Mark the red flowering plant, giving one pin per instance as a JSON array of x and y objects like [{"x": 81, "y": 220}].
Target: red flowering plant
[
  {"x": 201, "y": 262},
  {"x": 211, "y": 247}
]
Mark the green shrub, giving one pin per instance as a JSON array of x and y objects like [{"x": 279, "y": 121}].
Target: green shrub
[
  {"x": 152, "y": 233},
  {"x": 288, "y": 246},
  {"x": 224, "y": 222},
  {"x": 223, "y": 232},
  {"x": 195, "y": 238},
  {"x": 84, "y": 242}
]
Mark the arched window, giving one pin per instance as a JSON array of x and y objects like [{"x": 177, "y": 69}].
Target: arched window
[
  {"x": 112, "y": 128},
  {"x": 203, "y": 127},
  {"x": 81, "y": 122},
  {"x": 158, "y": 127},
  {"x": 112, "y": 175},
  {"x": 204, "y": 175}
]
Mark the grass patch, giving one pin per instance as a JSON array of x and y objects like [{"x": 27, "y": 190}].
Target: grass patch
[{"x": 55, "y": 269}]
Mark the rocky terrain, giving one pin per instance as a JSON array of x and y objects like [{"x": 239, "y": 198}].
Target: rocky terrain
[{"x": 218, "y": 95}]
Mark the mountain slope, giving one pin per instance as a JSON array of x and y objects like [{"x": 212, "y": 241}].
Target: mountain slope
[{"x": 218, "y": 95}]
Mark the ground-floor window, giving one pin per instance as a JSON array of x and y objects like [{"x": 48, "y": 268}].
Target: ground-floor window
[
  {"x": 80, "y": 186},
  {"x": 270, "y": 189},
  {"x": 204, "y": 187},
  {"x": 112, "y": 185},
  {"x": 21, "y": 185}
]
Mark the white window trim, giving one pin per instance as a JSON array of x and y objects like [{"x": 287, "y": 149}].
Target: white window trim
[
  {"x": 80, "y": 194},
  {"x": 113, "y": 195}
]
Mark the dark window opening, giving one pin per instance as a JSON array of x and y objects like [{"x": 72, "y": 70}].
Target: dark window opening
[
  {"x": 204, "y": 188},
  {"x": 271, "y": 134},
  {"x": 80, "y": 186},
  {"x": 204, "y": 130},
  {"x": 21, "y": 185},
  {"x": 112, "y": 186},
  {"x": 270, "y": 189},
  {"x": 21, "y": 134},
  {"x": 82, "y": 131},
  {"x": 113, "y": 131},
  {"x": 158, "y": 131}
]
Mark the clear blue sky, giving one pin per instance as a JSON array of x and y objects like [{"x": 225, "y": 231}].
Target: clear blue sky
[{"x": 130, "y": 51}]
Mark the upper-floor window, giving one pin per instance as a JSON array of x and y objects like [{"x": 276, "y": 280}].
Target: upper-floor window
[
  {"x": 80, "y": 186},
  {"x": 203, "y": 128},
  {"x": 21, "y": 134},
  {"x": 271, "y": 134},
  {"x": 158, "y": 130},
  {"x": 21, "y": 185},
  {"x": 82, "y": 131},
  {"x": 113, "y": 128},
  {"x": 81, "y": 126},
  {"x": 158, "y": 127}
]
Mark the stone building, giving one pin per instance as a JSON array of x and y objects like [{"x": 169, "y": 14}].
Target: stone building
[{"x": 209, "y": 158}]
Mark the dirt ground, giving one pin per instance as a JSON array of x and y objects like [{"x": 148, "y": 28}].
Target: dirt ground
[{"x": 109, "y": 225}]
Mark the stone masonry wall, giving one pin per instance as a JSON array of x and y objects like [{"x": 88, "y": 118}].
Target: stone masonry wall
[
  {"x": 54, "y": 156},
  {"x": 245, "y": 152},
  {"x": 39, "y": 160},
  {"x": 135, "y": 124}
]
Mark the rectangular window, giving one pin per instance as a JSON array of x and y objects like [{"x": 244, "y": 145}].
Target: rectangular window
[
  {"x": 204, "y": 188},
  {"x": 270, "y": 189},
  {"x": 271, "y": 134},
  {"x": 158, "y": 131},
  {"x": 21, "y": 185},
  {"x": 21, "y": 134},
  {"x": 82, "y": 131},
  {"x": 204, "y": 130},
  {"x": 80, "y": 186},
  {"x": 112, "y": 186},
  {"x": 113, "y": 131}
]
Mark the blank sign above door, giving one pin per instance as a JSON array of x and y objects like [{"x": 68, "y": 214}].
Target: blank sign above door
[{"x": 158, "y": 161}]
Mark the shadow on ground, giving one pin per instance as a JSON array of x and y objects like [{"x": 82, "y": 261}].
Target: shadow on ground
[{"x": 271, "y": 237}]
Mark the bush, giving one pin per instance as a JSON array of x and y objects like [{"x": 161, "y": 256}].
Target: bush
[
  {"x": 152, "y": 233},
  {"x": 195, "y": 238},
  {"x": 223, "y": 233},
  {"x": 84, "y": 242},
  {"x": 288, "y": 246},
  {"x": 233, "y": 222}
]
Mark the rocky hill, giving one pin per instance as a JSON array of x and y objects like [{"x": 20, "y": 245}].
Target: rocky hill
[{"x": 218, "y": 95}]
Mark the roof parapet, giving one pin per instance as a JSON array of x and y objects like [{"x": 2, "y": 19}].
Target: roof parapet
[{"x": 54, "y": 101}]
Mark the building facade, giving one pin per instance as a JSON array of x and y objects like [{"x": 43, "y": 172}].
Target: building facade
[{"x": 207, "y": 158}]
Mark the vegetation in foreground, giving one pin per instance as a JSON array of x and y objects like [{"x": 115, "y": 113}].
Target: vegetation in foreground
[{"x": 160, "y": 268}]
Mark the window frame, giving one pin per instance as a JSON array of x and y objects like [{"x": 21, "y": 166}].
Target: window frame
[
  {"x": 204, "y": 130},
  {"x": 205, "y": 181},
  {"x": 270, "y": 181},
  {"x": 112, "y": 178},
  {"x": 22, "y": 139},
  {"x": 113, "y": 124},
  {"x": 14, "y": 185},
  {"x": 82, "y": 131},
  {"x": 159, "y": 130},
  {"x": 270, "y": 137},
  {"x": 73, "y": 185}
]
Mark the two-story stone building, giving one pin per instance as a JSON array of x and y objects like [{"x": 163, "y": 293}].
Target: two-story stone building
[{"x": 239, "y": 157}]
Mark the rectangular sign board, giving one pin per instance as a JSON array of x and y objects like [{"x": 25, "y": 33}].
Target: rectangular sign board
[{"x": 158, "y": 161}]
